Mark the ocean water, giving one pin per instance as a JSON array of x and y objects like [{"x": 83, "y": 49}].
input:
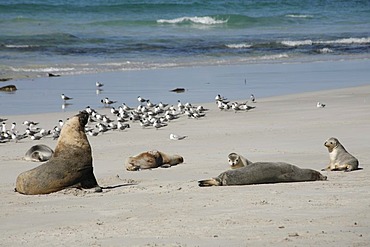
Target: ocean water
[
  {"x": 150, "y": 46},
  {"x": 74, "y": 37}
]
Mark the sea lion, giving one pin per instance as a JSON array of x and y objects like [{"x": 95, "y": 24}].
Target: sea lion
[
  {"x": 340, "y": 159},
  {"x": 178, "y": 90},
  {"x": 8, "y": 88},
  {"x": 263, "y": 173},
  {"x": 70, "y": 166},
  {"x": 152, "y": 159},
  {"x": 39, "y": 152},
  {"x": 237, "y": 161}
]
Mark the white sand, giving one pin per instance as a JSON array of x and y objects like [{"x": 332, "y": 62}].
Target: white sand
[{"x": 166, "y": 207}]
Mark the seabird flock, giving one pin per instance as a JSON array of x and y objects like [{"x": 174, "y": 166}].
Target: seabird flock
[{"x": 146, "y": 114}]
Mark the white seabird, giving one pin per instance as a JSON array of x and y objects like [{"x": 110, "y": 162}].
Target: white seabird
[
  {"x": 98, "y": 84},
  {"x": 320, "y": 105},
  {"x": 177, "y": 137},
  {"x": 65, "y": 98}
]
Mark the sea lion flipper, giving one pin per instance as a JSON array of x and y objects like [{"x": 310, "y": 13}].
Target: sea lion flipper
[
  {"x": 165, "y": 166},
  {"x": 209, "y": 182}
]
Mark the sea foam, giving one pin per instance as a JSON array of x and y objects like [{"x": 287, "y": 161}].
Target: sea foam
[
  {"x": 239, "y": 46},
  {"x": 206, "y": 20}
]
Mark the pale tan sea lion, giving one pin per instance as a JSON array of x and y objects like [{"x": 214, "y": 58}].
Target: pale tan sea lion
[
  {"x": 236, "y": 161},
  {"x": 152, "y": 159},
  {"x": 340, "y": 159},
  {"x": 70, "y": 166},
  {"x": 262, "y": 173},
  {"x": 38, "y": 153}
]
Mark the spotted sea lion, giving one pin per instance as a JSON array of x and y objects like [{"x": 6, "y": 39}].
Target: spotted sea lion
[
  {"x": 237, "y": 161},
  {"x": 38, "y": 153},
  {"x": 152, "y": 159},
  {"x": 340, "y": 159},
  {"x": 263, "y": 173},
  {"x": 70, "y": 166}
]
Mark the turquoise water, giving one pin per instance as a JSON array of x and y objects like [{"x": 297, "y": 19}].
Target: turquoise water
[{"x": 74, "y": 37}]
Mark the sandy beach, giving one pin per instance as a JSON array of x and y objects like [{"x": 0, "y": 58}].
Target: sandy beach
[{"x": 165, "y": 207}]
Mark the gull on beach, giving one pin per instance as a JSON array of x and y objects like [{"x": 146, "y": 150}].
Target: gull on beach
[
  {"x": 61, "y": 123},
  {"x": 92, "y": 133},
  {"x": 141, "y": 100},
  {"x": 177, "y": 137},
  {"x": 17, "y": 137},
  {"x": 44, "y": 132},
  {"x": 122, "y": 126},
  {"x": 34, "y": 137},
  {"x": 219, "y": 97},
  {"x": 29, "y": 123},
  {"x": 253, "y": 99},
  {"x": 222, "y": 106},
  {"x": 13, "y": 129},
  {"x": 65, "y": 98},
  {"x": 320, "y": 105},
  {"x": 98, "y": 84},
  {"x": 150, "y": 104},
  {"x": 107, "y": 101},
  {"x": 126, "y": 107},
  {"x": 3, "y": 127},
  {"x": 157, "y": 124}
]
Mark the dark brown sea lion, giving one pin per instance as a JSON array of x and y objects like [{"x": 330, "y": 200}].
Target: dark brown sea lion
[
  {"x": 70, "y": 166},
  {"x": 152, "y": 159},
  {"x": 263, "y": 173}
]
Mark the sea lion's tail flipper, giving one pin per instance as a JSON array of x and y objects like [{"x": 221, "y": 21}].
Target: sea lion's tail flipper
[{"x": 210, "y": 182}]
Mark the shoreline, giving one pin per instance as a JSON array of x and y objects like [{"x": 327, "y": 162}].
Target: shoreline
[
  {"x": 282, "y": 128},
  {"x": 291, "y": 60},
  {"x": 201, "y": 84}
]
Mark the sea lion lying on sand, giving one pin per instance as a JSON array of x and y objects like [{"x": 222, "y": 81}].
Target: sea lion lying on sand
[
  {"x": 262, "y": 173},
  {"x": 70, "y": 166},
  {"x": 38, "y": 153},
  {"x": 236, "y": 161},
  {"x": 340, "y": 159},
  {"x": 152, "y": 159}
]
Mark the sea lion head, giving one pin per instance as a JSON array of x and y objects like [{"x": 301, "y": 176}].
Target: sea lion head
[
  {"x": 233, "y": 159},
  {"x": 72, "y": 136},
  {"x": 331, "y": 143},
  {"x": 83, "y": 117},
  {"x": 144, "y": 160},
  {"x": 317, "y": 176}
]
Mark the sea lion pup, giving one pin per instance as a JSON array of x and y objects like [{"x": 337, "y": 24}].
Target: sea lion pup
[
  {"x": 38, "y": 153},
  {"x": 237, "y": 161},
  {"x": 263, "y": 173},
  {"x": 70, "y": 166},
  {"x": 152, "y": 159},
  {"x": 340, "y": 159}
]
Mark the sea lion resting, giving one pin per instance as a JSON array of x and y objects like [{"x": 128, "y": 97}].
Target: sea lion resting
[
  {"x": 70, "y": 166},
  {"x": 39, "y": 152},
  {"x": 262, "y": 173},
  {"x": 340, "y": 159},
  {"x": 152, "y": 159},
  {"x": 237, "y": 161}
]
